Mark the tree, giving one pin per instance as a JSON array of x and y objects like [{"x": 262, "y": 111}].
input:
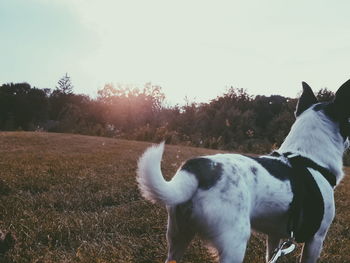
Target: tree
[
  {"x": 22, "y": 107},
  {"x": 325, "y": 95},
  {"x": 60, "y": 98},
  {"x": 65, "y": 85},
  {"x": 128, "y": 108}
]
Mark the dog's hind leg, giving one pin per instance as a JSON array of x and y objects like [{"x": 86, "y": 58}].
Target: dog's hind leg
[
  {"x": 272, "y": 243},
  {"x": 231, "y": 243},
  {"x": 179, "y": 232}
]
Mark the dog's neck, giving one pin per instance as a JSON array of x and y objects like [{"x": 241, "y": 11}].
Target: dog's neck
[{"x": 317, "y": 137}]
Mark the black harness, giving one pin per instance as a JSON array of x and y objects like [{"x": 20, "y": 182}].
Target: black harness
[{"x": 307, "y": 207}]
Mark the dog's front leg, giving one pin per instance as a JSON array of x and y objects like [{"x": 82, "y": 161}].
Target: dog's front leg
[
  {"x": 312, "y": 249},
  {"x": 272, "y": 243}
]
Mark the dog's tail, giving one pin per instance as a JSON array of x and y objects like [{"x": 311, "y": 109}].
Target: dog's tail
[{"x": 155, "y": 188}]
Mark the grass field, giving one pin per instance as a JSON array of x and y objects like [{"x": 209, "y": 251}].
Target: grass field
[{"x": 71, "y": 198}]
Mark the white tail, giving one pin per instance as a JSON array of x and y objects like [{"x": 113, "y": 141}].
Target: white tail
[{"x": 155, "y": 188}]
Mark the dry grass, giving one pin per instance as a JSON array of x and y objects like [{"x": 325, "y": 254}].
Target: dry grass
[{"x": 71, "y": 198}]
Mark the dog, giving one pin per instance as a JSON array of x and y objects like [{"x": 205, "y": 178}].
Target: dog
[{"x": 222, "y": 197}]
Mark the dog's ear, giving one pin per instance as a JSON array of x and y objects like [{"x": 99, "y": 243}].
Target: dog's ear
[
  {"x": 306, "y": 100},
  {"x": 342, "y": 101}
]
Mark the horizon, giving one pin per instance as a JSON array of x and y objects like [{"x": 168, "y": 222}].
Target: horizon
[
  {"x": 166, "y": 102},
  {"x": 196, "y": 50}
]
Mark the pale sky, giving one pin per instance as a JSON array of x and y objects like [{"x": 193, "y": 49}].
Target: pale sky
[{"x": 188, "y": 47}]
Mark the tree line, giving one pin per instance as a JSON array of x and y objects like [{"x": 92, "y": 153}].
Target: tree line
[{"x": 233, "y": 121}]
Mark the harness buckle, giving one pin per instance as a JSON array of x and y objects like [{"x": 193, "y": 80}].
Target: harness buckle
[{"x": 285, "y": 248}]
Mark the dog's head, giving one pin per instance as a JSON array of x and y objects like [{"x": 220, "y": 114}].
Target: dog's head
[{"x": 337, "y": 110}]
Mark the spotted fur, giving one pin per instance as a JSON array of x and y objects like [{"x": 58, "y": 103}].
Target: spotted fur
[{"x": 222, "y": 197}]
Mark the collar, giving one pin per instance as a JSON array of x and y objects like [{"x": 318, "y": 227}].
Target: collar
[{"x": 297, "y": 160}]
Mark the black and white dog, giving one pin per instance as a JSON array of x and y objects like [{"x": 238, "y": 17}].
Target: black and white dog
[{"x": 221, "y": 197}]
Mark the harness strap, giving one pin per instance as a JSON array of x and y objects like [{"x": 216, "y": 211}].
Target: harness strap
[
  {"x": 307, "y": 208},
  {"x": 306, "y": 162}
]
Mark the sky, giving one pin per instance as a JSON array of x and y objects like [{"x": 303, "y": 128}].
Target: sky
[{"x": 191, "y": 48}]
